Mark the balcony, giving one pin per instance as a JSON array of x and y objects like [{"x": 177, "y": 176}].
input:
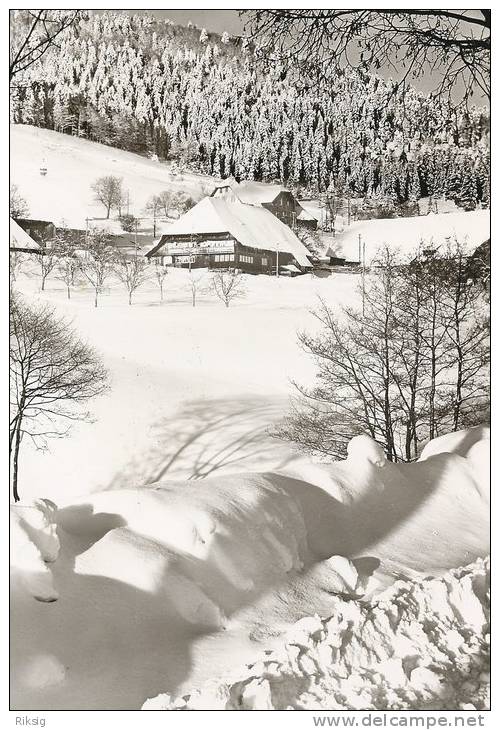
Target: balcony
[{"x": 187, "y": 249}]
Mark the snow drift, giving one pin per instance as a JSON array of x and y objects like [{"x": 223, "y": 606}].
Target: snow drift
[
  {"x": 183, "y": 581},
  {"x": 34, "y": 543},
  {"x": 422, "y": 644}
]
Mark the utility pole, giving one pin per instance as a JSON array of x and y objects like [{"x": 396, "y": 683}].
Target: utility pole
[
  {"x": 277, "y": 259},
  {"x": 359, "y": 247},
  {"x": 363, "y": 277},
  {"x": 135, "y": 238}
]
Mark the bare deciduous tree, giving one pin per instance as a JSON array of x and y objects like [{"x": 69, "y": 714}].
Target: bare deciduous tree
[
  {"x": 451, "y": 44},
  {"x": 413, "y": 367},
  {"x": 196, "y": 285},
  {"x": 154, "y": 207},
  {"x": 33, "y": 32},
  {"x": 18, "y": 206},
  {"x": 15, "y": 263},
  {"x": 160, "y": 272},
  {"x": 132, "y": 272},
  {"x": 48, "y": 258},
  {"x": 108, "y": 190},
  {"x": 52, "y": 374},
  {"x": 67, "y": 264},
  {"x": 228, "y": 285},
  {"x": 98, "y": 260},
  {"x": 166, "y": 201}
]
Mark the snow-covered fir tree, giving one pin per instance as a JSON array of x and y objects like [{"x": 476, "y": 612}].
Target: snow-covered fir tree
[{"x": 141, "y": 83}]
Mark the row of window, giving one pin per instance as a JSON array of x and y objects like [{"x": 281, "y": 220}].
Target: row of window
[
  {"x": 224, "y": 257},
  {"x": 197, "y": 244},
  {"x": 249, "y": 260}
]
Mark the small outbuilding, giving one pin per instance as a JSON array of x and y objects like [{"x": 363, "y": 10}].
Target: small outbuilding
[{"x": 20, "y": 240}]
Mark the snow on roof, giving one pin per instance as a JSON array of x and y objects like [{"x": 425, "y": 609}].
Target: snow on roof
[
  {"x": 405, "y": 234},
  {"x": 256, "y": 193},
  {"x": 19, "y": 239},
  {"x": 304, "y": 215},
  {"x": 250, "y": 225}
]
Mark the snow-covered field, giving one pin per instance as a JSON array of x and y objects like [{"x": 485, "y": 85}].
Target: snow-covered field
[
  {"x": 187, "y": 581},
  {"x": 193, "y": 390},
  {"x": 173, "y": 541},
  {"x": 406, "y": 234}
]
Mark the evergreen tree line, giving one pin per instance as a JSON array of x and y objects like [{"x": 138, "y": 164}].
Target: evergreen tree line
[{"x": 148, "y": 86}]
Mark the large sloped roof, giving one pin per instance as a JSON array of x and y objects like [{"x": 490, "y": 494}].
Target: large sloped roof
[
  {"x": 255, "y": 193},
  {"x": 19, "y": 239},
  {"x": 252, "y": 226}
]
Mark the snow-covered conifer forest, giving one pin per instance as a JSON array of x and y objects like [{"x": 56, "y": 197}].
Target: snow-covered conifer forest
[{"x": 249, "y": 361}]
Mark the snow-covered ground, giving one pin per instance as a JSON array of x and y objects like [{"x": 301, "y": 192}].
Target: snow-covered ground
[
  {"x": 73, "y": 164},
  {"x": 186, "y": 541},
  {"x": 193, "y": 390},
  {"x": 158, "y": 590},
  {"x": 422, "y": 644}
]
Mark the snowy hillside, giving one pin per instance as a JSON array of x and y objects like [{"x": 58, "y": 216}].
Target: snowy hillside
[
  {"x": 73, "y": 164},
  {"x": 182, "y": 582}
]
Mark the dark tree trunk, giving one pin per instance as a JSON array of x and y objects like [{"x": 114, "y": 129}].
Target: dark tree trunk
[{"x": 15, "y": 474}]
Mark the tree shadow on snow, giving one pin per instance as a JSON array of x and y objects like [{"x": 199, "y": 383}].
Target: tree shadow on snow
[
  {"x": 207, "y": 436},
  {"x": 115, "y": 643}
]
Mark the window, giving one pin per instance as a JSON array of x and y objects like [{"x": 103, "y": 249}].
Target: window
[
  {"x": 264, "y": 261},
  {"x": 246, "y": 259},
  {"x": 224, "y": 257}
]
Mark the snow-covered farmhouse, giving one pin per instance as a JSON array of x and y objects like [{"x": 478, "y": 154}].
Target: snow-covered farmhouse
[
  {"x": 276, "y": 198},
  {"x": 222, "y": 233}
]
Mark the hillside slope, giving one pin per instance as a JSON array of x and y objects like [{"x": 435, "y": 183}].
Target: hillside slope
[{"x": 73, "y": 164}]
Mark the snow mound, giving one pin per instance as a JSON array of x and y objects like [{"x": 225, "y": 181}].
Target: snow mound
[
  {"x": 364, "y": 448},
  {"x": 34, "y": 542},
  {"x": 39, "y": 520},
  {"x": 458, "y": 442},
  {"x": 201, "y": 576},
  {"x": 422, "y": 644},
  {"x": 209, "y": 544}
]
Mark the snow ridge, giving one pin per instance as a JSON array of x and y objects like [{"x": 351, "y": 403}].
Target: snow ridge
[{"x": 422, "y": 644}]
